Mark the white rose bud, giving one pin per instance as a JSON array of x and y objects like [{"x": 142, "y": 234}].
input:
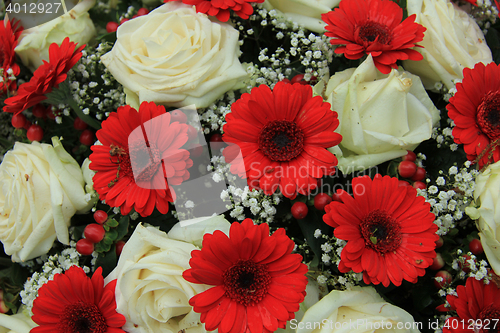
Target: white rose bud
[
  {"x": 307, "y": 13},
  {"x": 452, "y": 42},
  {"x": 176, "y": 57},
  {"x": 381, "y": 115},
  {"x": 150, "y": 290},
  {"x": 487, "y": 196},
  {"x": 359, "y": 310},
  {"x": 42, "y": 187},
  {"x": 192, "y": 231},
  {"x": 76, "y": 24}
]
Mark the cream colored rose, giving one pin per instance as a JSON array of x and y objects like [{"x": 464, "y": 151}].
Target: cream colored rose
[
  {"x": 358, "y": 310},
  {"x": 487, "y": 214},
  {"x": 192, "y": 231},
  {"x": 452, "y": 42},
  {"x": 307, "y": 13},
  {"x": 34, "y": 43},
  {"x": 17, "y": 323},
  {"x": 42, "y": 187},
  {"x": 150, "y": 291},
  {"x": 176, "y": 57},
  {"x": 381, "y": 115}
]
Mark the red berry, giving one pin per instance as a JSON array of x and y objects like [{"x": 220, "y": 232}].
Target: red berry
[
  {"x": 442, "y": 308},
  {"x": 39, "y": 111},
  {"x": 119, "y": 247},
  {"x": 336, "y": 197},
  {"x": 85, "y": 247},
  {"x": 142, "y": 11},
  {"x": 299, "y": 210},
  {"x": 52, "y": 114},
  {"x": 439, "y": 242},
  {"x": 18, "y": 120},
  {"x": 407, "y": 169},
  {"x": 410, "y": 156},
  {"x": 420, "y": 185},
  {"x": 123, "y": 20},
  {"x": 192, "y": 132},
  {"x": 178, "y": 115},
  {"x": 437, "y": 263},
  {"x": 79, "y": 124},
  {"x": 94, "y": 232},
  {"x": 297, "y": 78},
  {"x": 403, "y": 183},
  {"x": 134, "y": 16},
  {"x": 476, "y": 247},
  {"x": 419, "y": 174},
  {"x": 87, "y": 138},
  {"x": 445, "y": 279},
  {"x": 216, "y": 138},
  {"x": 35, "y": 133},
  {"x": 464, "y": 263},
  {"x": 112, "y": 26},
  {"x": 100, "y": 216},
  {"x": 321, "y": 200}
]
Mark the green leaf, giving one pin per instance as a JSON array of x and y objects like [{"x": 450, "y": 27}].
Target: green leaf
[
  {"x": 122, "y": 227},
  {"x": 493, "y": 40},
  {"x": 102, "y": 246},
  {"x": 112, "y": 223},
  {"x": 107, "y": 261}
]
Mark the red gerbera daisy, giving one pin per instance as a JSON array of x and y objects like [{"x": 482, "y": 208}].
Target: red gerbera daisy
[
  {"x": 9, "y": 34},
  {"x": 258, "y": 282},
  {"x": 74, "y": 303},
  {"x": 46, "y": 77},
  {"x": 220, "y": 8},
  {"x": 389, "y": 230},
  {"x": 374, "y": 27},
  {"x": 476, "y": 303},
  {"x": 283, "y": 135},
  {"x": 124, "y": 150},
  {"x": 475, "y": 109}
]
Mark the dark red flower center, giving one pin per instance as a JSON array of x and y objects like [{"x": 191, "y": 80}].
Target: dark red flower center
[
  {"x": 246, "y": 282},
  {"x": 82, "y": 317},
  {"x": 381, "y": 232},
  {"x": 489, "y": 320},
  {"x": 281, "y": 140},
  {"x": 145, "y": 161},
  {"x": 488, "y": 115},
  {"x": 373, "y": 32}
]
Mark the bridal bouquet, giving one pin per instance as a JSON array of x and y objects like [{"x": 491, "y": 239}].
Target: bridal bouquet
[{"x": 249, "y": 166}]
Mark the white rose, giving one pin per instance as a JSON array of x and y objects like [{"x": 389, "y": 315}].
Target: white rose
[
  {"x": 150, "y": 291},
  {"x": 381, "y": 115},
  {"x": 452, "y": 42},
  {"x": 34, "y": 43},
  {"x": 487, "y": 196},
  {"x": 306, "y": 13},
  {"x": 42, "y": 187},
  {"x": 176, "y": 57},
  {"x": 358, "y": 310},
  {"x": 17, "y": 323},
  {"x": 192, "y": 231}
]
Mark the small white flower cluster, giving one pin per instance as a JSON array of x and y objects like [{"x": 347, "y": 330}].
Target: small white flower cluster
[
  {"x": 101, "y": 97},
  {"x": 485, "y": 14},
  {"x": 312, "y": 51},
  {"x": 260, "y": 205},
  {"x": 450, "y": 195},
  {"x": 213, "y": 118},
  {"x": 52, "y": 265},
  {"x": 444, "y": 136},
  {"x": 469, "y": 266}
]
